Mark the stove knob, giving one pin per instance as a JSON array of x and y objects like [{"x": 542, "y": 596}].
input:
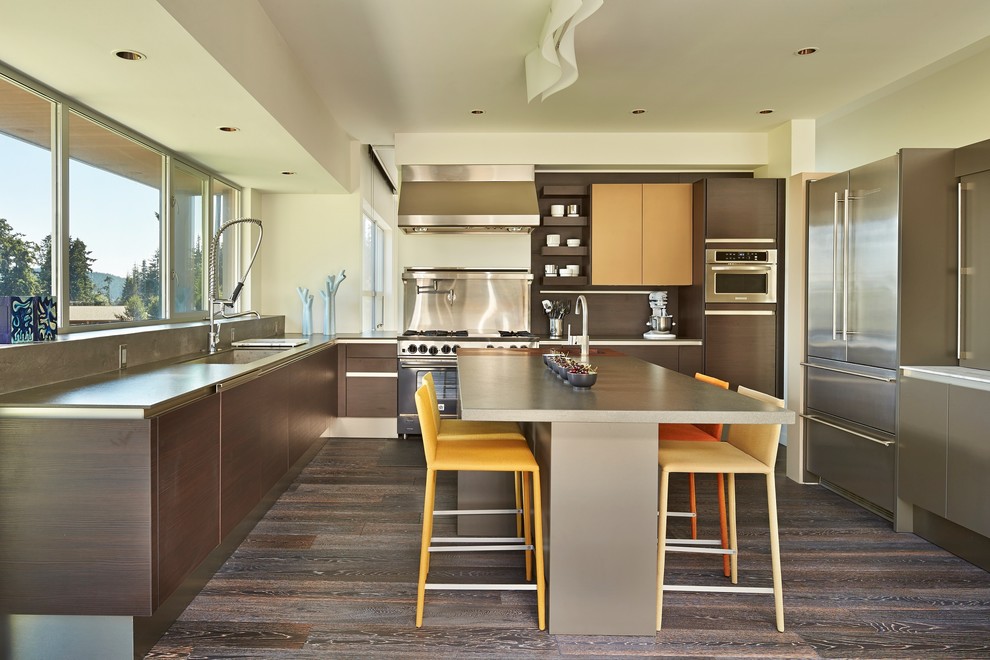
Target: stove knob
[
  {"x": 411, "y": 348},
  {"x": 433, "y": 350},
  {"x": 454, "y": 349},
  {"x": 490, "y": 346},
  {"x": 445, "y": 349},
  {"x": 422, "y": 348}
]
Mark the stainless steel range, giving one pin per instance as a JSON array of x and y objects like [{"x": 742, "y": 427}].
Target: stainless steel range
[{"x": 489, "y": 308}]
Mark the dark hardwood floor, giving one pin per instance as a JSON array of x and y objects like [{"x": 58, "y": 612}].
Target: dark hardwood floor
[{"x": 330, "y": 572}]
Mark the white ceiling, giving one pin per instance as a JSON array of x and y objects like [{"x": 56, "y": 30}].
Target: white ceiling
[{"x": 382, "y": 67}]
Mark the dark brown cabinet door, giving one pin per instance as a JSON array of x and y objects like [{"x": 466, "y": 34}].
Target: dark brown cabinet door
[
  {"x": 741, "y": 208},
  {"x": 188, "y": 497},
  {"x": 741, "y": 347},
  {"x": 375, "y": 393}
]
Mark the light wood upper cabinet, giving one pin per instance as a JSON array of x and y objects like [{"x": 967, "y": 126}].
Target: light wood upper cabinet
[
  {"x": 667, "y": 223},
  {"x": 641, "y": 234}
]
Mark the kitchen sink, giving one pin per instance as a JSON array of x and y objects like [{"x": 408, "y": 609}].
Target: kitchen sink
[{"x": 237, "y": 356}]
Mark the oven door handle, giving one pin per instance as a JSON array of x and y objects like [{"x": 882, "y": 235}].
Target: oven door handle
[
  {"x": 765, "y": 269},
  {"x": 406, "y": 363}
]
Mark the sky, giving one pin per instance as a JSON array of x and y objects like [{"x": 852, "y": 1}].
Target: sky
[{"x": 113, "y": 215}]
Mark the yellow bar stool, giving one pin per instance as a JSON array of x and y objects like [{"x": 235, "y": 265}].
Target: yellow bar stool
[
  {"x": 748, "y": 449},
  {"x": 485, "y": 455},
  {"x": 701, "y": 433},
  {"x": 465, "y": 429}
]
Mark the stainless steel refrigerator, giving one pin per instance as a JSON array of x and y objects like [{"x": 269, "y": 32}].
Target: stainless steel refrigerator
[{"x": 868, "y": 267}]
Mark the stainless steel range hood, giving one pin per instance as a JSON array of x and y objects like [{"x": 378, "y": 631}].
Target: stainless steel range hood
[{"x": 478, "y": 199}]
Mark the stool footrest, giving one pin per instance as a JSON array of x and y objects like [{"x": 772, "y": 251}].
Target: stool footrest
[
  {"x": 466, "y": 587},
  {"x": 681, "y": 514},
  {"x": 477, "y": 548},
  {"x": 477, "y": 539},
  {"x": 476, "y": 512},
  {"x": 725, "y": 590},
  {"x": 706, "y": 551},
  {"x": 694, "y": 542}
]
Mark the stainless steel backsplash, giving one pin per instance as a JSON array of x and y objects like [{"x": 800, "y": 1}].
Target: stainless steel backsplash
[{"x": 479, "y": 301}]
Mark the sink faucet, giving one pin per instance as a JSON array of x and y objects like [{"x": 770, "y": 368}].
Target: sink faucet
[
  {"x": 217, "y": 304},
  {"x": 581, "y": 307}
]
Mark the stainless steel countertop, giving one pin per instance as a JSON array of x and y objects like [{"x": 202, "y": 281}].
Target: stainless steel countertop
[
  {"x": 519, "y": 387},
  {"x": 627, "y": 341},
  {"x": 149, "y": 390},
  {"x": 950, "y": 375}
]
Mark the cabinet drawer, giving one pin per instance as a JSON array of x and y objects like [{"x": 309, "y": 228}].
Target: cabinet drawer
[
  {"x": 371, "y": 397},
  {"x": 383, "y": 350},
  {"x": 863, "y": 467},
  {"x": 860, "y": 398},
  {"x": 383, "y": 365}
]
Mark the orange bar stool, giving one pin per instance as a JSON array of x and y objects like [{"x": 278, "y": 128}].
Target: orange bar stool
[
  {"x": 748, "y": 449},
  {"x": 494, "y": 455},
  {"x": 464, "y": 429},
  {"x": 703, "y": 433}
]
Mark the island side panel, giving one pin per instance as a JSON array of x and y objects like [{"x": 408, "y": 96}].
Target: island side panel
[
  {"x": 603, "y": 481},
  {"x": 75, "y": 517}
]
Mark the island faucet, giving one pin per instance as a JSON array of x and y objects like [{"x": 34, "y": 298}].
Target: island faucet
[
  {"x": 581, "y": 307},
  {"x": 217, "y": 304}
]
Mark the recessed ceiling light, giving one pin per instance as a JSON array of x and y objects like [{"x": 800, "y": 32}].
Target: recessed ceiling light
[
  {"x": 129, "y": 55},
  {"x": 477, "y": 111},
  {"x": 807, "y": 50},
  {"x": 766, "y": 111},
  {"x": 639, "y": 111},
  {"x": 288, "y": 173},
  {"x": 228, "y": 129}
]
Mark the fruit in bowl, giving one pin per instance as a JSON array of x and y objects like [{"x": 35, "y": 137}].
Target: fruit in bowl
[{"x": 582, "y": 375}]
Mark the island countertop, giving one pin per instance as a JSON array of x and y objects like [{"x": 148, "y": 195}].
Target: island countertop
[{"x": 516, "y": 385}]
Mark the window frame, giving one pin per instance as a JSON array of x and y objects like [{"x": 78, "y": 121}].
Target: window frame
[{"x": 61, "y": 108}]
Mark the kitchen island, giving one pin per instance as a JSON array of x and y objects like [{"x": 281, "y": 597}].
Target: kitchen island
[{"x": 597, "y": 450}]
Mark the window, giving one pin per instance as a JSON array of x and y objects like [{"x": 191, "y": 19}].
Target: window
[
  {"x": 82, "y": 215},
  {"x": 373, "y": 282},
  {"x": 25, "y": 192},
  {"x": 189, "y": 198},
  {"x": 115, "y": 226}
]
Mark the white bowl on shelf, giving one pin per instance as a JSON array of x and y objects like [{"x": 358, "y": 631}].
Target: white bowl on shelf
[
  {"x": 573, "y": 242},
  {"x": 566, "y": 272}
]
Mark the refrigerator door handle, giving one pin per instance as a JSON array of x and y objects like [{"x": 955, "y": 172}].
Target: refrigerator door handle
[
  {"x": 835, "y": 256},
  {"x": 819, "y": 420},
  {"x": 811, "y": 365},
  {"x": 845, "y": 267}
]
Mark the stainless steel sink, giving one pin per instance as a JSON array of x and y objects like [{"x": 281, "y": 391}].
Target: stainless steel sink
[{"x": 238, "y": 356}]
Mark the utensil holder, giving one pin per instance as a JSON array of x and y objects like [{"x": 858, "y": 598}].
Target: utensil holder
[{"x": 556, "y": 328}]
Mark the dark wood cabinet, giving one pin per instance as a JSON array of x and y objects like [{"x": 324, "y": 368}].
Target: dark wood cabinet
[
  {"x": 188, "y": 490},
  {"x": 741, "y": 347},
  {"x": 742, "y": 208},
  {"x": 370, "y": 380}
]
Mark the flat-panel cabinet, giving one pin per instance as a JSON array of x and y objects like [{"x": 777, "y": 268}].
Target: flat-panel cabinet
[
  {"x": 742, "y": 209},
  {"x": 188, "y": 490},
  {"x": 974, "y": 278},
  {"x": 641, "y": 234},
  {"x": 944, "y": 451},
  {"x": 370, "y": 380},
  {"x": 741, "y": 347}
]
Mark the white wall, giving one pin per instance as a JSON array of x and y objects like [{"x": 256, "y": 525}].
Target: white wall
[
  {"x": 308, "y": 237},
  {"x": 946, "y": 109}
]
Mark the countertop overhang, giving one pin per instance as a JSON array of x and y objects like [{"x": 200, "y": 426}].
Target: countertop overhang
[{"x": 517, "y": 386}]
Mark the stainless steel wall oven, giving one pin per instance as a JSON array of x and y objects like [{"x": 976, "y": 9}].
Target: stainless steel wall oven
[{"x": 740, "y": 276}]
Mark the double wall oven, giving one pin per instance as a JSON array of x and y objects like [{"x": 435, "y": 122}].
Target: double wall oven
[{"x": 446, "y": 309}]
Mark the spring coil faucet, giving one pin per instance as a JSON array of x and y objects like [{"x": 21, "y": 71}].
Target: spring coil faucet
[{"x": 216, "y": 303}]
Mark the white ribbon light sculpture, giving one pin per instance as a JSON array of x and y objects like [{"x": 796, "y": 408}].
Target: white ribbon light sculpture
[{"x": 551, "y": 66}]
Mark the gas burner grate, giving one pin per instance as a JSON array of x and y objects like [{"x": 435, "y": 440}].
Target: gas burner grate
[
  {"x": 516, "y": 333},
  {"x": 435, "y": 333}
]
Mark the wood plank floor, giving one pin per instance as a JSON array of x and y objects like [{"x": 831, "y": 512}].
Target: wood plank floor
[{"x": 330, "y": 572}]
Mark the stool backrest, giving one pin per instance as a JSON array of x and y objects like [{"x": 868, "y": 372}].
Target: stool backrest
[
  {"x": 426, "y": 424},
  {"x": 714, "y": 430},
  {"x": 428, "y": 381},
  {"x": 757, "y": 440}
]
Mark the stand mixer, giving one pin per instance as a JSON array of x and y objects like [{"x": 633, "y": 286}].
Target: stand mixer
[{"x": 661, "y": 323}]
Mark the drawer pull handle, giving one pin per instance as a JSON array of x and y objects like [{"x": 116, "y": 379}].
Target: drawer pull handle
[
  {"x": 819, "y": 420},
  {"x": 885, "y": 379}
]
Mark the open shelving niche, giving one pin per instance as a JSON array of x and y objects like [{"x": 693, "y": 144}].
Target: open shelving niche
[{"x": 568, "y": 227}]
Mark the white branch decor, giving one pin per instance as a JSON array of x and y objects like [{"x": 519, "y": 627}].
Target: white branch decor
[{"x": 552, "y": 66}]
